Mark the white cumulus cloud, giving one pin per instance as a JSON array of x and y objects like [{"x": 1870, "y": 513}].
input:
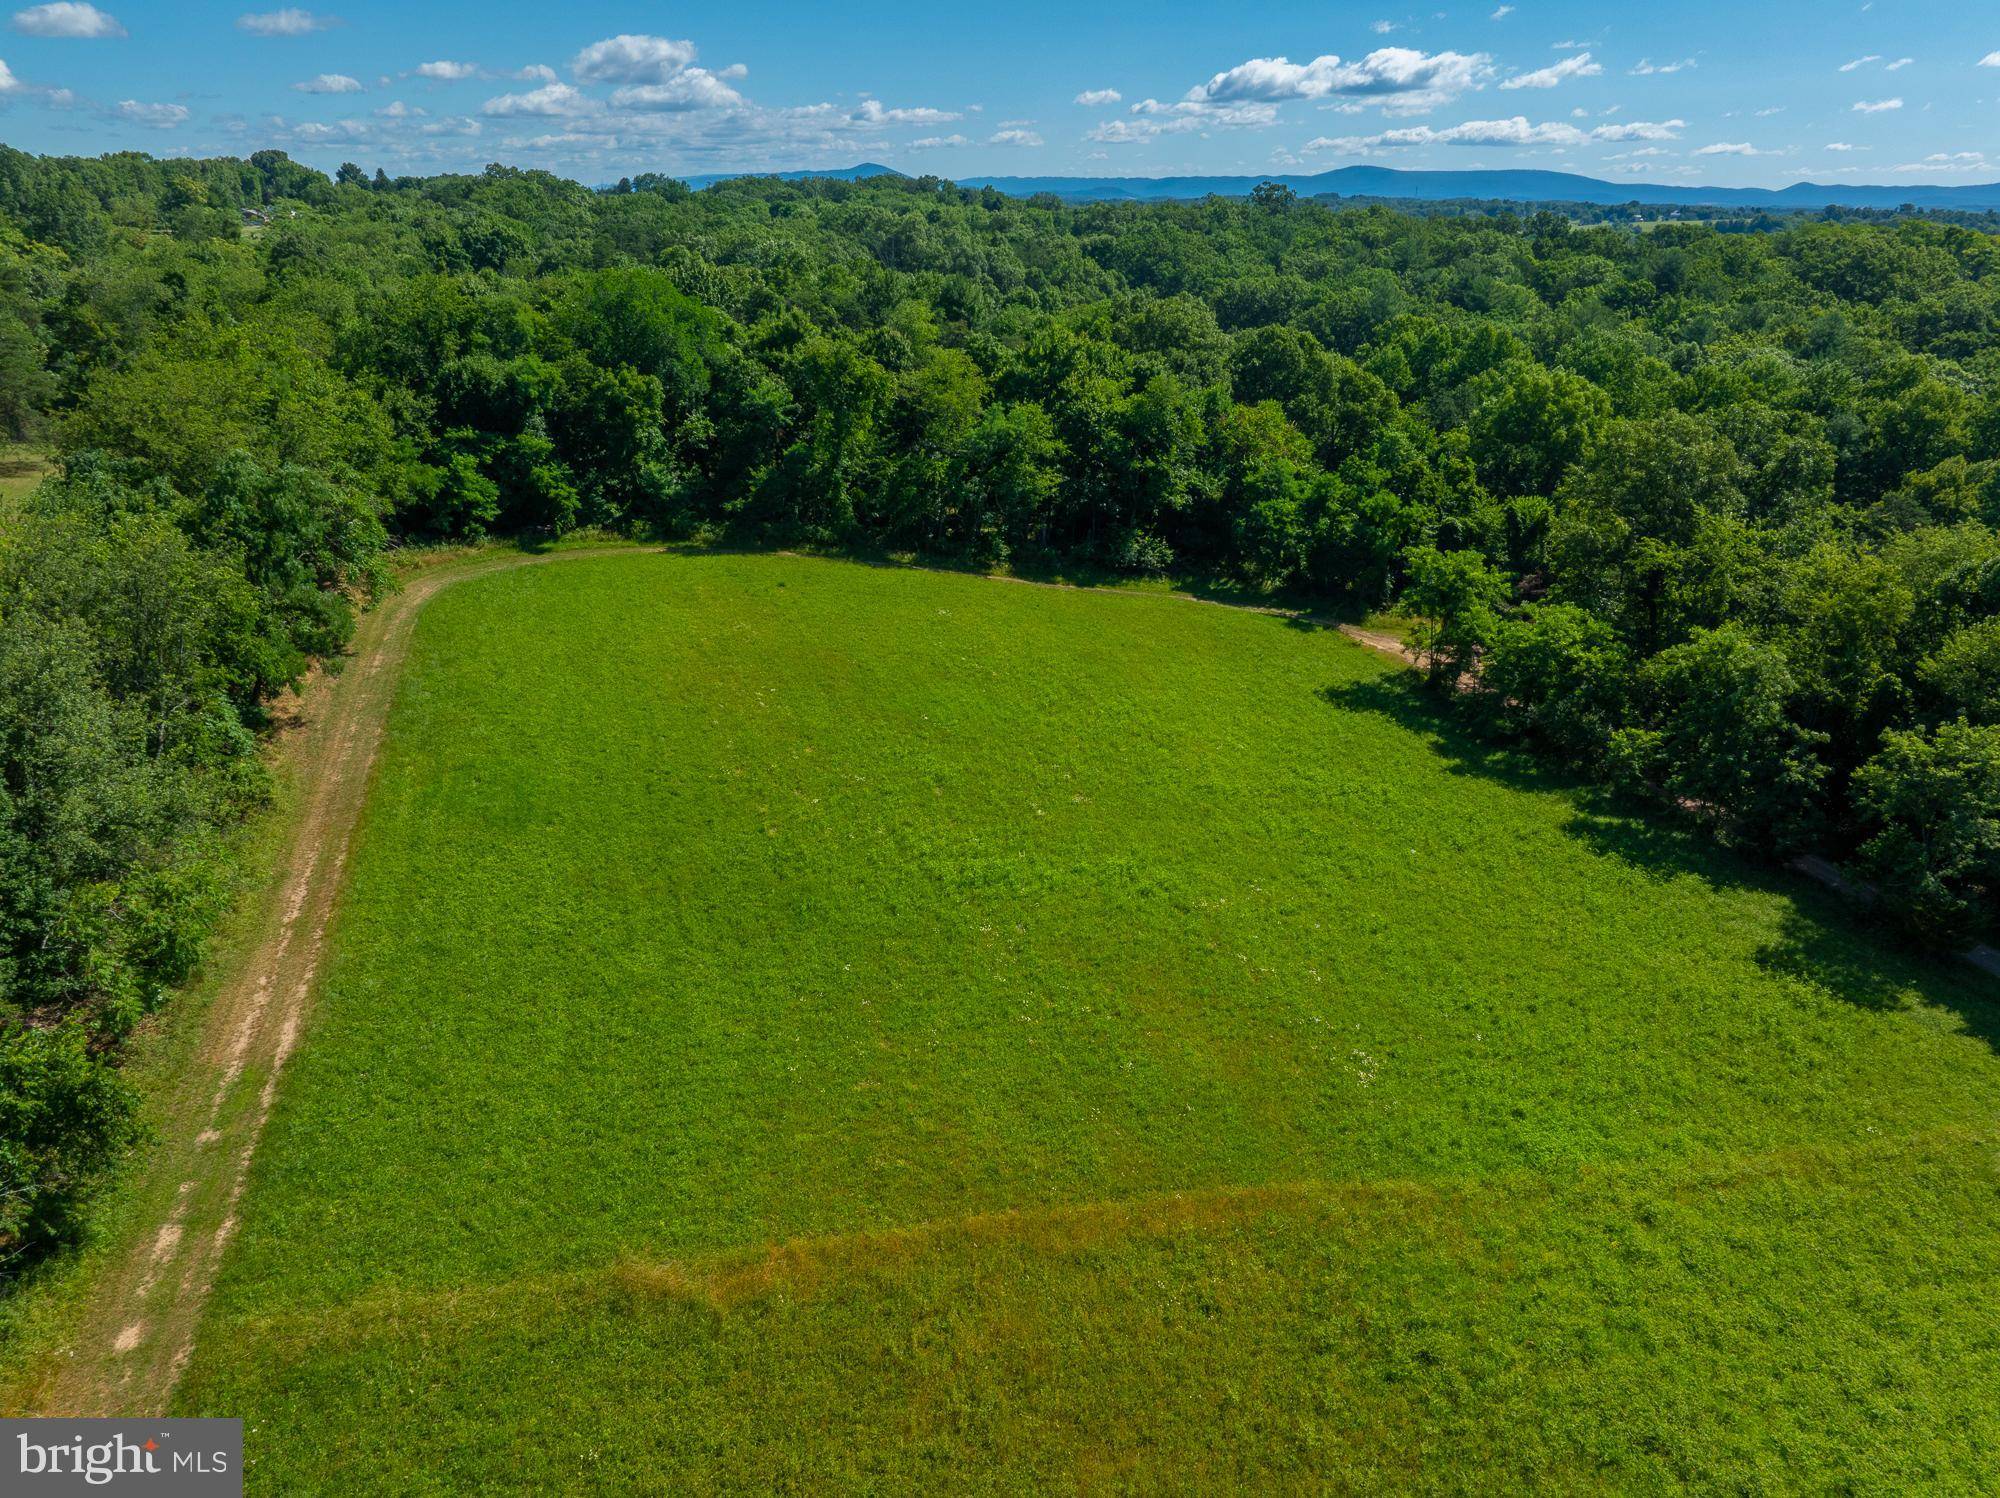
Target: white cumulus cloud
[
  {"x": 938, "y": 142},
  {"x": 1948, "y": 161},
  {"x": 329, "y": 83},
  {"x": 1516, "y": 131},
  {"x": 1578, "y": 66},
  {"x": 321, "y": 132},
  {"x": 1014, "y": 138},
  {"x": 691, "y": 88},
  {"x": 66, "y": 18},
  {"x": 631, "y": 59},
  {"x": 447, "y": 72},
  {"x": 288, "y": 22},
  {"x": 1122, "y": 133},
  {"x": 1877, "y": 106},
  {"x": 1641, "y": 130},
  {"x": 555, "y": 99},
  {"x": 153, "y": 116},
  {"x": 1092, "y": 97},
  {"x": 874, "y": 112},
  {"x": 1391, "y": 74},
  {"x": 1154, "y": 119}
]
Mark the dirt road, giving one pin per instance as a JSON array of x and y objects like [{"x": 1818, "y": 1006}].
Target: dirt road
[{"x": 140, "y": 1318}]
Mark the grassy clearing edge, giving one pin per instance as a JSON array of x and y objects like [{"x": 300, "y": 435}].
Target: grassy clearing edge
[{"x": 42, "y": 1315}]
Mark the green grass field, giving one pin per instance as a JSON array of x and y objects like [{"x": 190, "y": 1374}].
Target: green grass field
[
  {"x": 21, "y": 469},
  {"x": 797, "y": 1023}
]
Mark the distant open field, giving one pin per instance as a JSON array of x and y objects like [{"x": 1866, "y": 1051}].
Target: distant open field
[
  {"x": 21, "y": 468},
  {"x": 795, "y": 1023}
]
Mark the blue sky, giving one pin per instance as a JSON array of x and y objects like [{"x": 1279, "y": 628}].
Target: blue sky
[{"x": 1755, "y": 92}]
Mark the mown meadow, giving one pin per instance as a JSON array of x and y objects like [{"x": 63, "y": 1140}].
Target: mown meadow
[{"x": 795, "y": 1022}]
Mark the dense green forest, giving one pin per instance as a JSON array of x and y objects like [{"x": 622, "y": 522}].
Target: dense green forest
[{"x": 1710, "y": 516}]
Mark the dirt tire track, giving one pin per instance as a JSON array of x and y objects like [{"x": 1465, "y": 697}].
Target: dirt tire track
[{"x": 133, "y": 1339}]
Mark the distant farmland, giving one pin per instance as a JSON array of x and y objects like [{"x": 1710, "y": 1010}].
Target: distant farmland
[{"x": 796, "y": 1023}]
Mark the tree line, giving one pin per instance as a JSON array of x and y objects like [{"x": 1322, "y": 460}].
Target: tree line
[{"x": 1708, "y": 515}]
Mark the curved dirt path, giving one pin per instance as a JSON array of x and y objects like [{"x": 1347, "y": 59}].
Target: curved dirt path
[{"x": 127, "y": 1350}]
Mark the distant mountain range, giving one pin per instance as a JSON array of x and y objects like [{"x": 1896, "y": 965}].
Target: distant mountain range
[
  {"x": 1431, "y": 187},
  {"x": 840, "y": 173}
]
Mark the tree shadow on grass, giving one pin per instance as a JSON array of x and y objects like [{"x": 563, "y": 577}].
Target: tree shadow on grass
[
  {"x": 1402, "y": 697},
  {"x": 1299, "y": 610},
  {"x": 1851, "y": 957},
  {"x": 1825, "y": 940}
]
